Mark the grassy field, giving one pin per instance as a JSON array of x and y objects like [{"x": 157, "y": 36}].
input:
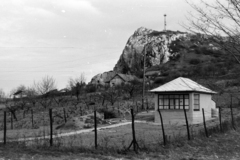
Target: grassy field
[
  {"x": 219, "y": 146},
  {"x": 113, "y": 142},
  {"x": 118, "y": 135}
]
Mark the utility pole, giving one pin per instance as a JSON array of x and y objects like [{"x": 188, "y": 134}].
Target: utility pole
[
  {"x": 165, "y": 22},
  {"x": 143, "y": 91}
]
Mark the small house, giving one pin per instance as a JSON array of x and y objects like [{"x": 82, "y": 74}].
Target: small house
[
  {"x": 183, "y": 93},
  {"x": 152, "y": 74},
  {"x": 119, "y": 79},
  {"x": 19, "y": 94}
]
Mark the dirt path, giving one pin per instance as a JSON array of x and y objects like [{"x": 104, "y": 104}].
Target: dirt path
[{"x": 73, "y": 132}]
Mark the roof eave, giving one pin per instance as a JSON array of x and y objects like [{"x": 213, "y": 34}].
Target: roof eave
[{"x": 183, "y": 91}]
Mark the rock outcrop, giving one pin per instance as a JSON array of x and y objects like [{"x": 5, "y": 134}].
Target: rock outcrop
[
  {"x": 157, "y": 50},
  {"x": 131, "y": 60},
  {"x": 102, "y": 78}
]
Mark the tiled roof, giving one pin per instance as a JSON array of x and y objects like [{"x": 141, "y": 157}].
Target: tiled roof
[
  {"x": 182, "y": 84},
  {"x": 18, "y": 92},
  {"x": 125, "y": 77},
  {"x": 151, "y": 73}
]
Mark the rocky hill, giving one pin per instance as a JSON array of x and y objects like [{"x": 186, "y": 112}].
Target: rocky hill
[
  {"x": 174, "y": 54},
  {"x": 157, "y": 50},
  {"x": 102, "y": 77},
  {"x": 131, "y": 60}
]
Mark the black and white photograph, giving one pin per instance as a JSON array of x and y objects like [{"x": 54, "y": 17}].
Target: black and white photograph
[{"x": 120, "y": 79}]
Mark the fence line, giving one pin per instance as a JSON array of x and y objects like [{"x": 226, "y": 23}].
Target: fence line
[{"x": 134, "y": 141}]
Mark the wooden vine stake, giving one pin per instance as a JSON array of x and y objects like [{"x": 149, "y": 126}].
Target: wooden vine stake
[
  {"x": 134, "y": 141},
  {"x": 95, "y": 128},
  {"x": 11, "y": 120},
  {"x": 32, "y": 118},
  {"x": 163, "y": 132},
  {"x": 233, "y": 125},
  {"x": 5, "y": 128},
  {"x": 64, "y": 115}
]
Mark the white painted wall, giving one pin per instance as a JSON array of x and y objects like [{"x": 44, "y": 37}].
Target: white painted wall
[
  {"x": 208, "y": 104},
  {"x": 177, "y": 117}
]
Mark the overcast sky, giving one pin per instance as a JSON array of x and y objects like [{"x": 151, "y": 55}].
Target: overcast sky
[{"x": 63, "y": 38}]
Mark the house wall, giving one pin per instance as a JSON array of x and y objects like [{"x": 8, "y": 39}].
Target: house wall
[
  {"x": 116, "y": 81},
  {"x": 208, "y": 104},
  {"x": 177, "y": 117}
]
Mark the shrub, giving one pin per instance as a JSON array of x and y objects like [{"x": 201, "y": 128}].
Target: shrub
[
  {"x": 107, "y": 114},
  {"x": 91, "y": 88},
  {"x": 159, "y": 80},
  {"x": 194, "y": 61}
]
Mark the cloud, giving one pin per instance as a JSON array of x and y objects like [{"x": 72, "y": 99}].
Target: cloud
[
  {"x": 58, "y": 6},
  {"x": 29, "y": 23},
  {"x": 77, "y": 5}
]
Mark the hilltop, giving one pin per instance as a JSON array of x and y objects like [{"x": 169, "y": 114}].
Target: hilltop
[
  {"x": 170, "y": 54},
  {"x": 131, "y": 59}
]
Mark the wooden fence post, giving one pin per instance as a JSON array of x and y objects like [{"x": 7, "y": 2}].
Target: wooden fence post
[
  {"x": 32, "y": 118},
  {"x": 147, "y": 105},
  {"x": 118, "y": 109},
  {"x": 5, "y": 128},
  {"x": 233, "y": 125},
  {"x": 134, "y": 141},
  {"x": 51, "y": 127},
  {"x": 137, "y": 106},
  {"x": 11, "y": 120},
  {"x": 64, "y": 115},
  {"x": 163, "y": 132},
  {"x": 220, "y": 119},
  {"x": 204, "y": 123},
  {"x": 188, "y": 132},
  {"x": 95, "y": 128}
]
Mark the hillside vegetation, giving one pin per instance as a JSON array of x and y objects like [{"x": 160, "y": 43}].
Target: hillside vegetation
[{"x": 172, "y": 54}]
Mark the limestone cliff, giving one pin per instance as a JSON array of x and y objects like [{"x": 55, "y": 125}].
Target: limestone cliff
[
  {"x": 172, "y": 54},
  {"x": 131, "y": 60},
  {"x": 102, "y": 77},
  {"x": 157, "y": 50}
]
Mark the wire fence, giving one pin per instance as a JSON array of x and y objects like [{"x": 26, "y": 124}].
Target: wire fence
[{"x": 42, "y": 128}]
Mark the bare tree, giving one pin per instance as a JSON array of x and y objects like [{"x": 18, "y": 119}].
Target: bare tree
[
  {"x": 12, "y": 107},
  {"x": 2, "y": 94},
  {"x": 131, "y": 88},
  {"x": 45, "y": 85},
  {"x": 32, "y": 97},
  {"x": 9, "y": 104},
  {"x": 76, "y": 85},
  {"x": 73, "y": 81},
  {"x": 45, "y": 88},
  {"x": 19, "y": 98},
  {"x": 18, "y": 91},
  {"x": 113, "y": 94},
  {"x": 61, "y": 101},
  {"x": 219, "y": 19}
]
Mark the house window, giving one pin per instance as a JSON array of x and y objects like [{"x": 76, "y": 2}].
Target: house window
[
  {"x": 173, "y": 101},
  {"x": 196, "y": 102}
]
